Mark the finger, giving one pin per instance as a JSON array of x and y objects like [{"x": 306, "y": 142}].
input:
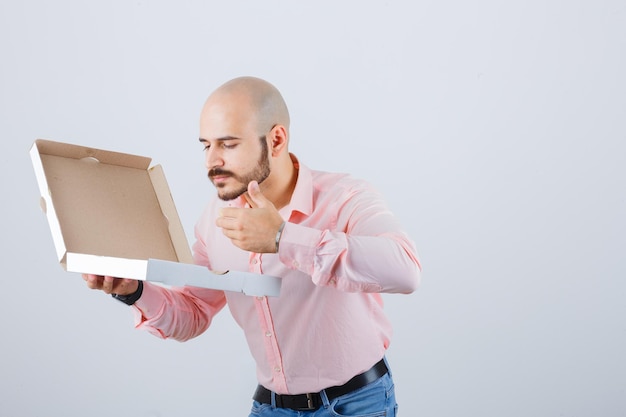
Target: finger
[
  {"x": 124, "y": 286},
  {"x": 255, "y": 197},
  {"x": 232, "y": 234},
  {"x": 228, "y": 223},
  {"x": 230, "y": 212},
  {"x": 107, "y": 284},
  {"x": 93, "y": 281}
]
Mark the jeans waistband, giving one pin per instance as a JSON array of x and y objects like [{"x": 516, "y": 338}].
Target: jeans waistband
[{"x": 313, "y": 401}]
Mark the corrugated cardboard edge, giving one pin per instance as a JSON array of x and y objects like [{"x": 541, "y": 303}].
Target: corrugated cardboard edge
[
  {"x": 67, "y": 150},
  {"x": 177, "y": 274},
  {"x": 177, "y": 232},
  {"x": 105, "y": 265},
  {"x": 46, "y": 200}
]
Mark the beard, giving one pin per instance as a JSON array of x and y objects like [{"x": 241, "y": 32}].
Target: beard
[{"x": 259, "y": 173}]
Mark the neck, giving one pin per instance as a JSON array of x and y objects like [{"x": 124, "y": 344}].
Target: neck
[{"x": 283, "y": 181}]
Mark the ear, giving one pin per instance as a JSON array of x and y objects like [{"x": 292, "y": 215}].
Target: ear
[{"x": 278, "y": 140}]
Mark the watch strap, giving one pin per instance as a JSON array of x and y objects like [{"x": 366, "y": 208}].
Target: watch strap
[{"x": 130, "y": 299}]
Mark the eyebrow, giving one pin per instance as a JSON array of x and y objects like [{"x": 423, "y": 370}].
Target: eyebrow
[{"x": 223, "y": 138}]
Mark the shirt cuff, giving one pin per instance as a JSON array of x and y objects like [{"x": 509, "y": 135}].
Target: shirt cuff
[
  {"x": 298, "y": 246},
  {"x": 149, "y": 304}
]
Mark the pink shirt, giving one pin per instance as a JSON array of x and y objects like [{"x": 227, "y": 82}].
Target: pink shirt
[{"x": 340, "y": 248}]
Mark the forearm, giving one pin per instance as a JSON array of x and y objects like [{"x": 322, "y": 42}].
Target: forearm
[
  {"x": 177, "y": 313},
  {"x": 385, "y": 262}
]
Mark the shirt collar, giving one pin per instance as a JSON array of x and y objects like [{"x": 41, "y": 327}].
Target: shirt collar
[{"x": 302, "y": 197}]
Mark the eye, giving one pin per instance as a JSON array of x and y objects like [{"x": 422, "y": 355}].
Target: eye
[{"x": 229, "y": 146}]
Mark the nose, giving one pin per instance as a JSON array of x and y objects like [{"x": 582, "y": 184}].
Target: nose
[{"x": 213, "y": 158}]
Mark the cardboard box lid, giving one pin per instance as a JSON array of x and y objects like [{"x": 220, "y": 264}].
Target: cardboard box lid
[{"x": 110, "y": 213}]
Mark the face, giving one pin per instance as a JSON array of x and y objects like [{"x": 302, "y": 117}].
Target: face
[
  {"x": 231, "y": 183},
  {"x": 235, "y": 153}
]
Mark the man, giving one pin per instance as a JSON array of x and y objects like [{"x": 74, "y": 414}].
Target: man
[{"x": 320, "y": 346}]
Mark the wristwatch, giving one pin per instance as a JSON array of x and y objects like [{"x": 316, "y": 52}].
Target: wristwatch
[{"x": 130, "y": 299}]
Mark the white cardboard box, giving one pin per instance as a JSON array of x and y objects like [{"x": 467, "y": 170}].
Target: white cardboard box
[{"x": 112, "y": 213}]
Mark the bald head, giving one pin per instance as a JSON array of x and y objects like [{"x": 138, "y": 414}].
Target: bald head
[{"x": 253, "y": 98}]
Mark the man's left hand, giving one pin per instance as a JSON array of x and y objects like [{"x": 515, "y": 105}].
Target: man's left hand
[{"x": 252, "y": 229}]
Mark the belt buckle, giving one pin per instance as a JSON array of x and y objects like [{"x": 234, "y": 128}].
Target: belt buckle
[{"x": 309, "y": 403}]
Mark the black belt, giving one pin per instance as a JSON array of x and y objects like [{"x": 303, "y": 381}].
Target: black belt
[{"x": 313, "y": 401}]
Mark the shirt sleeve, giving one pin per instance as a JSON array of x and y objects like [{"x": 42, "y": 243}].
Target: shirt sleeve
[
  {"x": 363, "y": 248},
  {"x": 178, "y": 313}
]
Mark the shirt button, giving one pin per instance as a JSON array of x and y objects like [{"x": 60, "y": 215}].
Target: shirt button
[
  {"x": 332, "y": 281},
  {"x": 255, "y": 261},
  {"x": 277, "y": 368},
  {"x": 268, "y": 334},
  {"x": 295, "y": 264},
  {"x": 260, "y": 298}
]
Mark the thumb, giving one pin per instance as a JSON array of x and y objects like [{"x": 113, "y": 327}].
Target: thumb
[{"x": 255, "y": 197}]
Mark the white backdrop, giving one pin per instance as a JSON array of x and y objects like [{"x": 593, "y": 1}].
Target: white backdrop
[{"x": 496, "y": 131}]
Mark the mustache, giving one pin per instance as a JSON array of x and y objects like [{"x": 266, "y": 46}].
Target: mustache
[{"x": 219, "y": 171}]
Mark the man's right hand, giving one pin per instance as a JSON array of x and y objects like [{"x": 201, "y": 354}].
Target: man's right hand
[{"x": 111, "y": 285}]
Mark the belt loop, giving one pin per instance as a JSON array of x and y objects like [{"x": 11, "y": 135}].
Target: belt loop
[
  {"x": 324, "y": 398},
  {"x": 388, "y": 367},
  {"x": 273, "y": 396}
]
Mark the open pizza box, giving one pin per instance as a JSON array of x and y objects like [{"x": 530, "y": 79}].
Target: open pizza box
[{"x": 112, "y": 213}]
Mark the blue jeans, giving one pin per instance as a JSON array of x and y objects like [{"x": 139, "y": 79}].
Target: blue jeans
[{"x": 377, "y": 399}]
